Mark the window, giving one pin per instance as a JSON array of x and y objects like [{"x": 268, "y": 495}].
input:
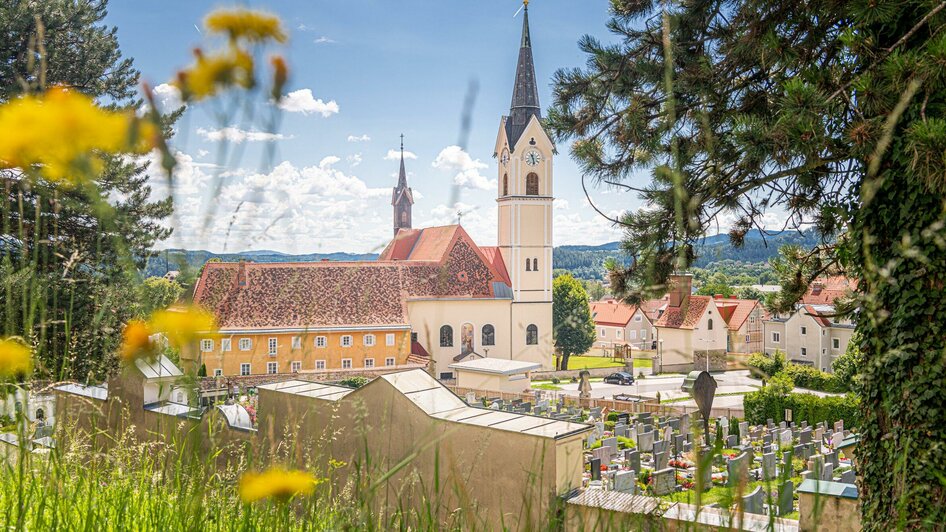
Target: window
[
  {"x": 528, "y": 265},
  {"x": 446, "y": 336},
  {"x": 532, "y": 335},
  {"x": 272, "y": 368},
  {"x": 836, "y": 343},
  {"x": 804, "y": 352},
  {"x": 389, "y": 339},
  {"x": 369, "y": 340},
  {"x": 297, "y": 342},
  {"x": 776, "y": 337},
  {"x": 206, "y": 345},
  {"x": 505, "y": 184},
  {"x": 747, "y": 338},
  {"x": 224, "y": 344},
  {"x": 637, "y": 318},
  {"x": 489, "y": 335},
  {"x": 532, "y": 184},
  {"x": 709, "y": 324},
  {"x": 413, "y": 336},
  {"x": 295, "y": 366},
  {"x": 346, "y": 363},
  {"x": 245, "y": 344},
  {"x": 751, "y": 319},
  {"x": 389, "y": 361},
  {"x": 804, "y": 331},
  {"x": 319, "y": 364},
  {"x": 218, "y": 372},
  {"x": 244, "y": 369},
  {"x": 369, "y": 362},
  {"x": 643, "y": 334},
  {"x": 604, "y": 333},
  {"x": 535, "y": 265},
  {"x": 404, "y": 217},
  {"x": 446, "y": 376},
  {"x": 632, "y": 334},
  {"x": 321, "y": 341},
  {"x": 346, "y": 340},
  {"x": 273, "y": 344}
]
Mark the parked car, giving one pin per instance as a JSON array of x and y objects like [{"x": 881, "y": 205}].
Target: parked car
[{"x": 619, "y": 378}]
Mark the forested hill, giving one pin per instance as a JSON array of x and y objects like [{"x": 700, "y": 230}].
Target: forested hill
[{"x": 584, "y": 262}]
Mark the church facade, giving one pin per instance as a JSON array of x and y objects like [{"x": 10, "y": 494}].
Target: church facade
[{"x": 434, "y": 295}]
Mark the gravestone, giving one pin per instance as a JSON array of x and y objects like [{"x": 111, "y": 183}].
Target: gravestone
[
  {"x": 595, "y": 469},
  {"x": 768, "y": 466},
  {"x": 619, "y": 429},
  {"x": 786, "y": 464},
  {"x": 785, "y": 437},
  {"x": 599, "y": 429},
  {"x": 781, "y": 425},
  {"x": 661, "y": 446},
  {"x": 611, "y": 443},
  {"x": 674, "y": 423},
  {"x": 836, "y": 439},
  {"x": 645, "y": 442},
  {"x": 624, "y": 418},
  {"x": 801, "y": 451},
  {"x": 470, "y": 398},
  {"x": 738, "y": 469},
  {"x": 816, "y": 465},
  {"x": 665, "y": 481},
  {"x": 819, "y": 435},
  {"x": 847, "y": 477},
  {"x": 786, "y": 498},
  {"x": 827, "y": 472},
  {"x": 769, "y": 423},
  {"x": 602, "y": 454},
  {"x": 754, "y": 503},
  {"x": 805, "y": 475},
  {"x": 804, "y": 436},
  {"x": 595, "y": 412},
  {"x": 724, "y": 424},
  {"x": 660, "y": 461},
  {"x": 756, "y": 433},
  {"x": 839, "y": 426},
  {"x": 668, "y": 433},
  {"x": 625, "y": 482},
  {"x": 678, "y": 444},
  {"x": 732, "y": 441},
  {"x": 632, "y": 459},
  {"x": 592, "y": 438},
  {"x": 767, "y": 439},
  {"x": 804, "y": 424},
  {"x": 832, "y": 458},
  {"x": 743, "y": 430}
]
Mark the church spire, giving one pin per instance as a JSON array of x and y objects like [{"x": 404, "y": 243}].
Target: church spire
[
  {"x": 525, "y": 94},
  {"x": 402, "y": 198}
]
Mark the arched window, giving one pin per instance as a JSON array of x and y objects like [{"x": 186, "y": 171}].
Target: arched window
[
  {"x": 535, "y": 265},
  {"x": 403, "y": 217},
  {"x": 532, "y": 184},
  {"x": 446, "y": 336},
  {"x": 505, "y": 184},
  {"x": 466, "y": 338},
  {"x": 709, "y": 325},
  {"x": 40, "y": 414},
  {"x": 528, "y": 266},
  {"x": 532, "y": 335},
  {"x": 489, "y": 335}
]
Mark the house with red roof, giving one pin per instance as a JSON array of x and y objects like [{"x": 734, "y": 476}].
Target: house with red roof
[
  {"x": 617, "y": 323},
  {"x": 689, "y": 327},
  {"x": 434, "y": 297},
  {"x": 744, "y": 321}
]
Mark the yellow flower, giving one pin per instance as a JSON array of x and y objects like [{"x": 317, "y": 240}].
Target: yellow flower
[
  {"x": 136, "y": 340},
  {"x": 278, "y": 483},
  {"x": 253, "y": 26},
  {"x": 214, "y": 72},
  {"x": 182, "y": 325},
  {"x": 280, "y": 76},
  {"x": 15, "y": 358},
  {"x": 63, "y": 132}
]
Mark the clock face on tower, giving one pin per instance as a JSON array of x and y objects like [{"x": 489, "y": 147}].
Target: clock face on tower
[
  {"x": 533, "y": 157},
  {"x": 505, "y": 157}
]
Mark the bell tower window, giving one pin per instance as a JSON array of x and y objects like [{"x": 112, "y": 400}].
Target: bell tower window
[
  {"x": 505, "y": 184},
  {"x": 532, "y": 184}
]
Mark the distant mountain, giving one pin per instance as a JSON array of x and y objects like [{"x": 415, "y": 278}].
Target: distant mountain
[{"x": 183, "y": 259}]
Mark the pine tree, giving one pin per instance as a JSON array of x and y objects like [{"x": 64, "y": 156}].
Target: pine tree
[
  {"x": 826, "y": 113},
  {"x": 70, "y": 254},
  {"x": 573, "y": 327}
]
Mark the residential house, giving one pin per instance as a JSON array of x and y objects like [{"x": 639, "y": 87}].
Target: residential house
[
  {"x": 812, "y": 336},
  {"x": 617, "y": 323},
  {"x": 744, "y": 322},
  {"x": 689, "y": 324}
]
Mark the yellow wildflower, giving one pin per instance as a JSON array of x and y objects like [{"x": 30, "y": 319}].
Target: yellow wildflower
[
  {"x": 278, "y": 483},
  {"x": 213, "y": 72},
  {"x": 15, "y": 358},
  {"x": 253, "y": 26},
  {"x": 136, "y": 340},
  {"x": 182, "y": 325},
  {"x": 280, "y": 76},
  {"x": 63, "y": 131}
]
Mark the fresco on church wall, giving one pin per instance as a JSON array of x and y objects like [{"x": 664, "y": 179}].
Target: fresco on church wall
[{"x": 466, "y": 339}]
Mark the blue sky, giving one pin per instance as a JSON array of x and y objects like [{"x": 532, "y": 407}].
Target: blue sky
[{"x": 374, "y": 69}]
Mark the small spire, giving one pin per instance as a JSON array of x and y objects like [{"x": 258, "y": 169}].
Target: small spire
[
  {"x": 402, "y": 145},
  {"x": 402, "y": 174},
  {"x": 525, "y": 94}
]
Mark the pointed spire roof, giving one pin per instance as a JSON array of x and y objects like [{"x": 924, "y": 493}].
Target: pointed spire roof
[
  {"x": 402, "y": 189},
  {"x": 402, "y": 176},
  {"x": 525, "y": 94}
]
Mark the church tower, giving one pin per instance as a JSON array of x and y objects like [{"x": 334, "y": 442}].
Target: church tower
[
  {"x": 525, "y": 153},
  {"x": 401, "y": 198}
]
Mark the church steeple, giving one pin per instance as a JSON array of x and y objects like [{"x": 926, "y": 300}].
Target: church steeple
[
  {"x": 402, "y": 198},
  {"x": 525, "y": 94}
]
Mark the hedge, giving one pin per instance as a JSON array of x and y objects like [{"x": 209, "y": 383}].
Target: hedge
[
  {"x": 762, "y": 405},
  {"x": 762, "y": 366},
  {"x": 765, "y": 367}
]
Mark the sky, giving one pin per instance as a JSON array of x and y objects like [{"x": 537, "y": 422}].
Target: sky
[{"x": 362, "y": 73}]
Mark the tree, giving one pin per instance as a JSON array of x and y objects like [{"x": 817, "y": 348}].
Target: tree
[
  {"x": 595, "y": 289},
  {"x": 717, "y": 285},
  {"x": 747, "y": 292},
  {"x": 830, "y": 113},
  {"x": 572, "y": 325},
  {"x": 70, "y": 253},
  {"x": 847, "y": 366},
  {"x": 158, "y": 293}
]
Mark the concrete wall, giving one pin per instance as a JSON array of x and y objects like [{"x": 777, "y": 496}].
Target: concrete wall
[
  {"x": 827, "y": 513},
  {"x": 493, "y": 382}
]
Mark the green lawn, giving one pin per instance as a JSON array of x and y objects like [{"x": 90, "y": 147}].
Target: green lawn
[
  {"x": 586, "y": 362},
  {"x": 723, "y": 494}
]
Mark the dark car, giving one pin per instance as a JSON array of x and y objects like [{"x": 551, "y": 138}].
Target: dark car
[{"x": 619, "y": 378}]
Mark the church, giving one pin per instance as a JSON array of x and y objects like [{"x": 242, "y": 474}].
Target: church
[{"x": 433, "y": 297}]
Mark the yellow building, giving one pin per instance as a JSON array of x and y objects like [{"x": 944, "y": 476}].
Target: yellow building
[{"x": 456, "y": 299}]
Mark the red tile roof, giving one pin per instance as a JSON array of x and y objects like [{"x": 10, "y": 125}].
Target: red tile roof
[
  {"x": 429, "y": 244},
  {"x": 612, "y": 312},
  {"x": 824, "y": 290},
  {"x": 686, "y": 316},
  {"x": 736, "y": 311},
  {"x": 813, "y": 312},
  {"x": 495, "y": 257},
  {"x": 338, "y": 294},
  {"x": 652, "y": 307}
]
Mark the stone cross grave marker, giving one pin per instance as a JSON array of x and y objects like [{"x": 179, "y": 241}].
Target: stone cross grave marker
[{"x": 665, "y": 481}]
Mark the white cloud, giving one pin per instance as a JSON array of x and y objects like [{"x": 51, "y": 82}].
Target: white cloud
[
  {"x": 238, "y": 136},
  {"x": 395, "y": 155},
  {"x": 202, "y": 153},
  {"x": 466, "y": 170},
  {"x": 354, "y": 159},
  {"x": 358, "y": 138},
  {"x": 323, "y": 40},
  {"x": 560, "y": 204},
  {"x": 167, "y": 97},
  {"x": 302, "y": 101}
]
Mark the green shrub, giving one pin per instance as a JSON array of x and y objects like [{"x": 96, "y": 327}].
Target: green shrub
[
  {"x": 763, "y": 366},
  {"x": 609, "y": 425},
  {"x": 765, "y": 404},
  {"x": 354, "y": 382},
  {"x": 555, "y": 380},
  {"x": 814, "y": 379},
  {"x": 626, "y": 443},
  {"x": 612, "y": 416}
]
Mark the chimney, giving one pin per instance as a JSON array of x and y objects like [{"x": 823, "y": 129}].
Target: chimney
[
  {"x": 241, "y": 278},
  {"x": 680, "y": 288}
]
